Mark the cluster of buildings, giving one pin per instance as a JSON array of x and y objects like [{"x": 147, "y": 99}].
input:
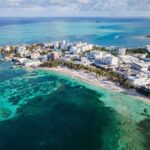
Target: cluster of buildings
[
  {"x": 103, "y": 59},
  {"x": 136, "y": 67},
  {"x": 136, "y": 70},
  {"x": 31, "y": 55}
]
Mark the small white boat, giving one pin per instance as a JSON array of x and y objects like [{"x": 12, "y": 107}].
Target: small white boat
[{"x": 117, "y": 37}]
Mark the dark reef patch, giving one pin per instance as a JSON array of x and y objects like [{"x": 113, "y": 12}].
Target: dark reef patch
[
  {"x": 144, "y": 127},
  {"x": 72, "y": 119}
]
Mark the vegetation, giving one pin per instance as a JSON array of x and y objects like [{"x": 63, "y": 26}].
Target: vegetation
[
  {"x": 7, "y": 53},
  {"x": 144, "y": 91},
  {"x": 104, "y": 49},
  {"x": 103, "y": 72},
  {"x": 17, "y": 55},
  {"x": 100, "y": 48},
  {"x": 82, "y": 54},
  {"x": 43, "y": 53},
  {"x": 136, "y": 51},
  {"x": 148, "y": 55},
  {"x": 99, "y": 72},
  {"x": 32, "y": 47},
  {"x": 50, "y": 64},
  {"x": 73, "y": 59},
  {"x": 117, "y": 78}
]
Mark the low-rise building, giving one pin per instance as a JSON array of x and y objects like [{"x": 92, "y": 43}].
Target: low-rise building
[
  {"x": 146, "y": 59},
  {"x": 113, "y": 48},
  {"x": 140, "y": 66},
  {"x": 44, "y": 58},
  {"x": 56, "y": 45},
  {"x": 75, "y": 50},
  {"x": 7, "y": 48},
  {"x": 35, "y": 55},
  {"x": 55, "y": 55},
  {"x": 64, "y": 59},
  {"x": 97, "y": 55},
  {"x": 85, "y": 61},
  {"x": 33, "y": 63},
  {"x": 19, "y": 60},
  {"x": 139, "y": 81}
]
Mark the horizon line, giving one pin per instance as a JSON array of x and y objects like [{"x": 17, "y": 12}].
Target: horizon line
[{"x": 75, "y": 17}]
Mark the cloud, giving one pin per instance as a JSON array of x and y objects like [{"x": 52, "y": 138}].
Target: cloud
[{"x": 80, "y": 6}]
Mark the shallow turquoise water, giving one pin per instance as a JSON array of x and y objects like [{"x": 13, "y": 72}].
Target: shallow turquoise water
[
  {"x": 47, "y": 110},
  {"x": 104, "y": 31}
]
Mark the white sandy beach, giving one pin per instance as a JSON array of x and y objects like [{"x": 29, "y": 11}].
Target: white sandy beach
[{"x": 101, "y": 82}]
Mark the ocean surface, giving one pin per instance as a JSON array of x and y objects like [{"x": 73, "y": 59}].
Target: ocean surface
[
  {"x": 123, "y": 32},
  {"x": 42, "y": 110}
]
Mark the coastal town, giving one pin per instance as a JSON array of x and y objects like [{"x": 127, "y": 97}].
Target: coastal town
[{"x": 133, "y": 65}]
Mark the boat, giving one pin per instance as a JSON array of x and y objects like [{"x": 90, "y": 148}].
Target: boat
[{"x": 117, "y": 37}]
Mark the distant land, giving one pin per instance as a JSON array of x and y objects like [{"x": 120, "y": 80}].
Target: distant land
[{"x": 147, "y": 36}]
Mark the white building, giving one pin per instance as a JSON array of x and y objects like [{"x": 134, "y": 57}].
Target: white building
[
  {"x": 64, "y": 45},
  {"x": 85, "y": 61},
  {"x": 111, "y": 60},
  {"x": 121, "y": 51},
  {"x": 33, "y": 63},
  {"x": 22, "y": 60},
  {"x": 22, "y": 51},
  {"x": 95, "y": 55},
  {"x": 7, "y": 48},
  {"x": 139, "y": 81},
  {"x": 56, "y": 45},
  {"x": 35, "y": 55},
  {"x": 148, "y": 48},
  {"x": 80, "y": 47},
  {"x": 44, "y": 58},
  {"x": 147, "y": 59},
  {"x": 113, "y": 48},
  {"x": 75, "y": 50},
  {"x": 64, "y": 59},
  {"x": 50, "y": 44}
]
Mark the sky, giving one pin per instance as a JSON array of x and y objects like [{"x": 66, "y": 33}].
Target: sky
[{"x": 87, "y": 8}]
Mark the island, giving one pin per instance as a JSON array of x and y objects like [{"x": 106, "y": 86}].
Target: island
[
  {"x": 126, "y": 70},
  {"x": 147, "y": 36}
]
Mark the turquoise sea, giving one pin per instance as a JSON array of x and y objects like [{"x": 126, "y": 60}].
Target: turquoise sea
[
  {"x": 42, "y": 110},
  {"x": 123, "y": 32}
]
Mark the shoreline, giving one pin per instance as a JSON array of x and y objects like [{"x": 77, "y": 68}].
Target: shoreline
[{"x": 101, "y": 82}]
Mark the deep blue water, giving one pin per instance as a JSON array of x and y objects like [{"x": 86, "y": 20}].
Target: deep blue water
[{"x": 124, "y": 32}]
